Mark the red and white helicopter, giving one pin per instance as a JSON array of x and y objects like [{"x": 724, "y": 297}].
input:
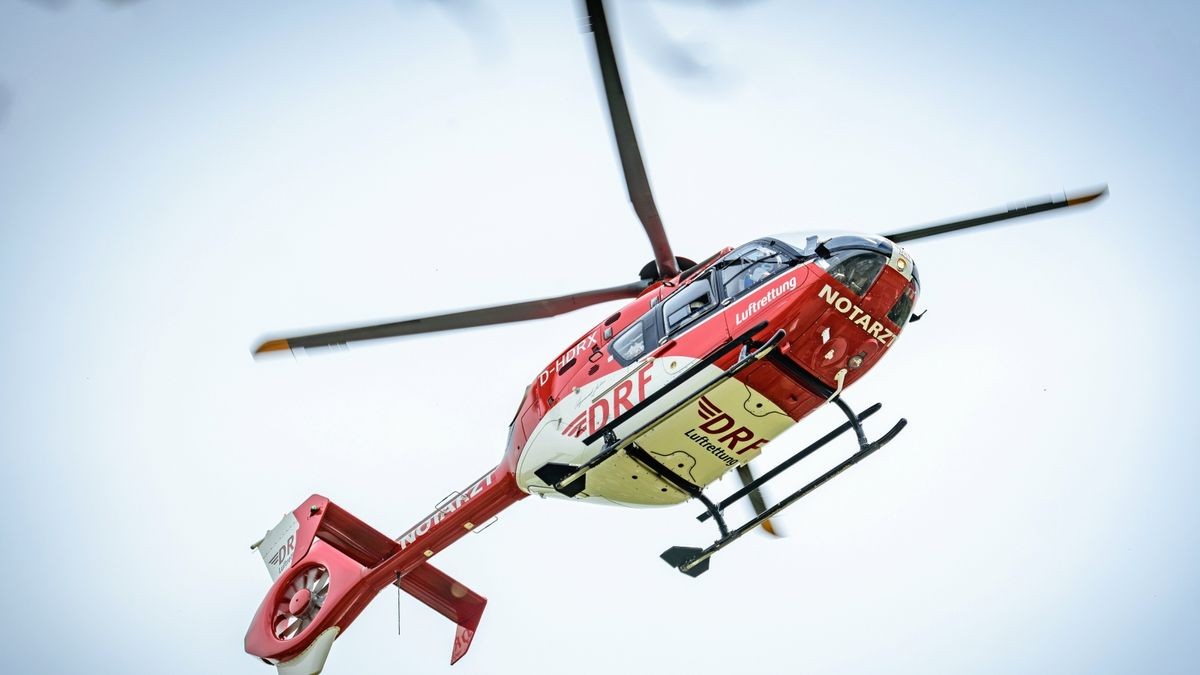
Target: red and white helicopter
[{"x": 705, "y": 365}]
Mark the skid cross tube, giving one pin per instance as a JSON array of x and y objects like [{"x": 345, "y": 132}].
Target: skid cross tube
[
  {"x": 612, "y": 447},
  {"x": 858, "y": 430},
  {"x": 639, "y": 455},
  {"x": 789, "y": 462},
  {"x": 791, "y": 499}
]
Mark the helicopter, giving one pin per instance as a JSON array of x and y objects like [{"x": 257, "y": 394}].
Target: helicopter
[{"x": 694, "y": 376}]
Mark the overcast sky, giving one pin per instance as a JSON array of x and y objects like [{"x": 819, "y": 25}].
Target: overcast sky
[{"x": 178, "y": 179}]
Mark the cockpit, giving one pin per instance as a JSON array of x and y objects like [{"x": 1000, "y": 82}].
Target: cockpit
[
  {"x": 728, "y": 278},
  {"x": 856, "y": 261},
  {"x": 745, "y": 268}
]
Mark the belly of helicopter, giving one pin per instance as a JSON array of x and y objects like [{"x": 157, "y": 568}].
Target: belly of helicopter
[{"x": 699, "y": 441}]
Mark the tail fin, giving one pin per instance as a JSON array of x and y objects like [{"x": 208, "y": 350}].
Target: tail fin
[
  {"x": 450, "y": 599},
  {"x": 327, "y": 565},
  {"x": 323, "y": 561}
]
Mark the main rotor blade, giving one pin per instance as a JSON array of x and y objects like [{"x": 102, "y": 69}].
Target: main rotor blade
[
  {"x": 986, "y": 218},
  {"x": 484, "y": 316},
  {"x": 636, "y": 181}
]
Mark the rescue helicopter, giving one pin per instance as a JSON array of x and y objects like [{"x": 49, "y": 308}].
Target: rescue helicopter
[{"x": 693, "y": 377}]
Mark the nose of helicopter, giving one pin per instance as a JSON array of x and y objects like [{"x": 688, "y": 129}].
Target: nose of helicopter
[{"x": 902, "y": 261}]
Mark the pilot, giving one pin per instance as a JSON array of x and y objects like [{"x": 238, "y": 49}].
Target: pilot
[
  {"x": 858, "y": 271},
  {"x": 756, "y": 274}
]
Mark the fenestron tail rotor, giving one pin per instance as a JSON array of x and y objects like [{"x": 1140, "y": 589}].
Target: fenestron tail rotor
[
  {"x": 1026, "y": 209},
  {"x": 300, "y": 602}
]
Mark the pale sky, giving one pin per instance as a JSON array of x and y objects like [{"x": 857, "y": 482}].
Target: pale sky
[{"x": 178, "y": 179}]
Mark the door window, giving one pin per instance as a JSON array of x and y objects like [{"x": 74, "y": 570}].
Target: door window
[
  {"x": 688, "y": 304},
  {"x": 630, "y": 344},
  {"x": 746, "y": 268}
]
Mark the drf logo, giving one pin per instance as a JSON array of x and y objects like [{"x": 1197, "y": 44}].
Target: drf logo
[
  {"x": 284, "y": 554},
  {"x": 718, "y": 421},
  {"x": 610, "y": 405}
]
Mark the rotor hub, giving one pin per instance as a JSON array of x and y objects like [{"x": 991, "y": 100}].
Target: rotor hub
[{"x": 299, "y": 601}]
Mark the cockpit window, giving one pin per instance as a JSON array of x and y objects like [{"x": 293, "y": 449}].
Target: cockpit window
[
  {"x": 688, "y": 304},
  {"x": 748, "y": 267},
  {"x": 630, "y": 344},
  {"x": 857, "y": 269},
  {"x": 903, "y": 307}
]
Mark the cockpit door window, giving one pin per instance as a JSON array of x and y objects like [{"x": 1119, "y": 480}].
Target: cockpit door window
[
  {"x": 747, "y": 267},
  {"x": 688, "y": 304},
  {"x": 903, "y": 307},
  {"x": 630, "y": 344}
]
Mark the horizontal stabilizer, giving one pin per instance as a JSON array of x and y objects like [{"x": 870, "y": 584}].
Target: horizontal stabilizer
[{"x": 450, "y": 599}]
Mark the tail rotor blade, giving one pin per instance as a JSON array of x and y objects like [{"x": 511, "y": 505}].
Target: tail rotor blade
[
  {"x": 756, "y": 498},
  {"x": 636, "y": 181},
  {"x": 471, "y": 318},
  {"x": 1067, "y": 200}
]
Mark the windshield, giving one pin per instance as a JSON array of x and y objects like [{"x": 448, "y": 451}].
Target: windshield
[{"x": 856, "y": 270}]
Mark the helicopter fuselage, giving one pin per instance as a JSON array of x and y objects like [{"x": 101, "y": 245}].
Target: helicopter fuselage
[{"x": 834, "y": 321}]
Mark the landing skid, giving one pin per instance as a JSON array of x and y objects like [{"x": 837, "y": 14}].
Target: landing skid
[{"x": 695, "y": 561}]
